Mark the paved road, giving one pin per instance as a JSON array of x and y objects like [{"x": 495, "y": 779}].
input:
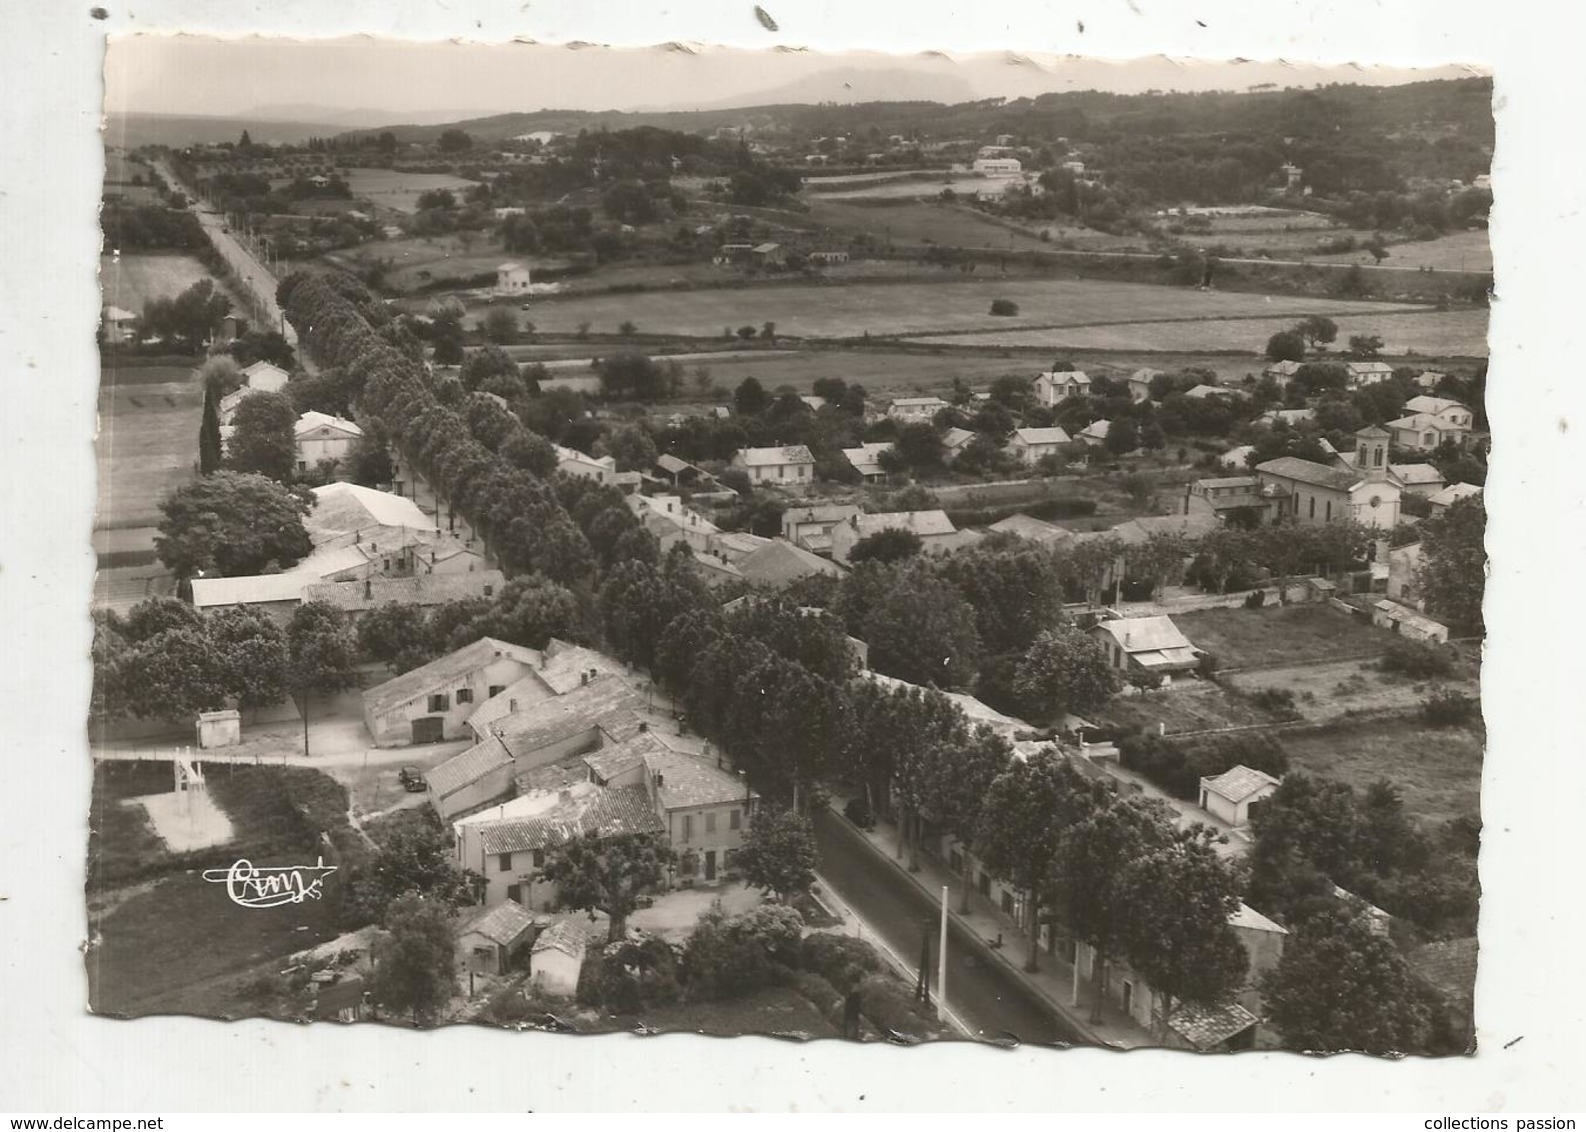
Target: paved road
[
  {"x": 991, "y": 1001},
  {"x": 253, "y": 274}
]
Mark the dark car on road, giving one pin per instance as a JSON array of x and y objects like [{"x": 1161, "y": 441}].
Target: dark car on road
[{"x": 412, "y": 779}]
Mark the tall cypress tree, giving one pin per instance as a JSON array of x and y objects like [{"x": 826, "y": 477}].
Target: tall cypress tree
[{"x": 209, "y": 448}]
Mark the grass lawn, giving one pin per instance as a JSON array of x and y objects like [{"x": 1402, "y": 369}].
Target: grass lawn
[
  {"x": 850, "y": 311},
  {"x": 1189, "y": 705},
  {"x": 919, "y": 222},
  {"x": 148, "y": 440},
  {"x": 163, "y": 941},
  {"x": 130, "y": 281},
  {"x": 1279, "y": 635},
  {"x": 1438, "y": 769},
  {"x": 397, "y": 189},
  {"x": 1457, "y": 251},
  {"x": 1329, "y": 691}
]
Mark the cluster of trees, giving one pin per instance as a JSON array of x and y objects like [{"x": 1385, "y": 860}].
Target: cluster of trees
[
  {"x": 1178, "y": 766},
  {"x": 529, "y": 610},
  {"x": 485, "y": 464},
  {"x": 166, "y": 661},
  {"x": 187, "y": 321},
  {"x": 138, "y": 228},
  {"x": 233, "y": 523},
  {"x": 1453, "y": 574},
  {"x": 1236, "y": 556}
]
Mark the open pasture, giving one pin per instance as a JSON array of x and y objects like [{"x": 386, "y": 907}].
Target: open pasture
[
  {"x": 148, "y": 440},
  {"x": 1457, "y": 251},
  {"x": 1437, "y": 769},
  {"x": 852, "y": 311},
  {"x": 130, "y": 281},
  {"x": 1405, "y": 331},
  {"x": 398, "y": 189}
]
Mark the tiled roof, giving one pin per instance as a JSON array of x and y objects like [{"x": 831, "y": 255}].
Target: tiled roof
[
  {"x": 342, "y": 508},
  {"x": 956, "y": 438},
  {"x": 1096, "y": 430},
  {"x": 553, "y": 778},
  {"x": 1041, "y": 435},
  {"x": 1248, "y": 918},
  {"x": 421, "y": 589},
  {"x": 1416, "y": 473},
  {"x": 1036, "y": 530},
  {"x": 311, "y": 420},
  {"x": 688, "y": 782},
  {"x": 1146, "y": 634},
  {"x": 1285, "y": 368},
  {"x": 564, "y": 936},
  {"x": 1424, "y": 403},
  {"x": 1304, "y": 471},
  {"x": 467, "y": 767},
  {"x": 616, "y": 759},
  {"x": 922, "y": 523},
  {"x": 820, "y": 512},
  {"x": 780, "y": 563},
  {"x": 251, "y": 589},
  {"x": 605, "y": 702},
  {"x": 1138, "y": 530},
  {"x": 503, "y": 924},
  {"x": 1239, "y": 783},
  {"x": 443, "y": 670},
  {"x": 564, "y": 665},
  {"x": 613, "y": 812},
  {"x": 866, "y": 459},
  {"x": 1453, "y": 493},
  {"x": 1368, "y": 367},
  {"x": 776, "y": 457},
  {"x": 1062, "y": 375},
  {"x": 1208, "y": 1027}
]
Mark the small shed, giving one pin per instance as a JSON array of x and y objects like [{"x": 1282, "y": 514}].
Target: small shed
[
  {"x": 557, "y": 959},
  {"x": 1230, "y": 795},
  {"x": 487, "y": 942},
  {"x": 219, "y": 729},
  {"x": 1407, "y": 622}
]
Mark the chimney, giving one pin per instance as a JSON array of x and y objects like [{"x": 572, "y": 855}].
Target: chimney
[{"x": 660, "y": 780}]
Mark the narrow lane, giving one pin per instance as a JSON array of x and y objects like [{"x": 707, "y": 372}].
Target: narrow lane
[{"x": 989, "y": 999}]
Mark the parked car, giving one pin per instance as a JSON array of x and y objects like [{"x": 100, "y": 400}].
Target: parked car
[{"x": 412, "y": 779}]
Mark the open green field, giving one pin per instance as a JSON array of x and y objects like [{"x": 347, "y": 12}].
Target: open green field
[
  {"x": 399, "y": 190},
  {"x": 1279, "y": 635},
  {"x": 1457, "y": 251},
  {"x": 954, "y": 226},
  {"x": 1461, "y": 333},
  {"x": 1438, "y": 769},
  {"x": 967, "y": 184},
  {"x": 920, "y": 309},
  {"x": 130, "y": 281},
  {"x": 417, "y": 260},
  {"x": 1189, "y": 705},
  {"x": 148, "y": 441}
]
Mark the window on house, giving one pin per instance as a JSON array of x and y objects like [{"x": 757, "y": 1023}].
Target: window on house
[
  {"x": 539, "y": 858},
  {"x": 1313, "y": 507},
  {"x": 1376, "y": 455},
  {"x": 439, "y": 702},
  {"x": 735, "y": 820},
  {"x": 710, "y": 823},
  {"x": 1128, "y": 996},
  {"x": 302, "y": 465},
  {"x": 490, "y": 591},
  {"x": 496, "y": 689},
  {"x": 465, "y": 695},
  {"x": 1007, "y": 902},
  {"x": 688, "y": 826},
  {"x": 1329, "y": 509},
  {"x": 504, "y": 862}
]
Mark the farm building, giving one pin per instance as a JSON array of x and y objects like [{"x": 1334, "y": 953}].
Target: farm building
[
  {"x": 866, "y": 460},
  {"x": 433, "y": 702},
  {"x": 811, "y": 527},
  {"x": 935, "y": 529},
  {"x": 909, "y": 409},
  {"x": 1140, "y": 384},
  {"x": 1362, "y": 374},
  {"x": 1451, "y": 495},
  {"x": 1095, "y": 433},
  {"x": 997, "y": 166},
  {"x": 1401, "y": 619},
  {"x": 1230, "y": 795},
  {"x": 489, "y": 939},
  {"x": 358, "y": 597},
  {"x": 119, "y": 325},
  {"x": 571, "y": 462}
]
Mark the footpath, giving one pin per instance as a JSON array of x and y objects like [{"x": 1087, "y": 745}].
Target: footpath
[{"x": 1054, "y": 984}]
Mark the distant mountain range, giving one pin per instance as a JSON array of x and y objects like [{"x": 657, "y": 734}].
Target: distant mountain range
[
  {"x": 848, "y": 85},
  {"x": 357, "y": 119}
]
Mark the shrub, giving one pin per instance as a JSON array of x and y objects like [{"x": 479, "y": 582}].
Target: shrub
[
  {"x": 1256, "y": 599},
  {"x": 1206, "y": 666},
  {"x": 858, "y": 811},
  {"x": 1448, "y": 708},
  {"x": 841, "y": 960},
  {"x": 729, "y": 956},
  {"x": 821, "y": 994},
  {"x": 889, "y": 1008},
  {"x": 1418, "y": 660},
  {"x": 1005, "y": 308},
  {"x": 1179, "y": 769},
  {"x": 1276, "y": 701}
]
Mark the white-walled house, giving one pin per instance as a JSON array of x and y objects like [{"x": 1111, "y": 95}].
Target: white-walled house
[
  {"x": 1050, "y": 388},
  {"x": 320, "y": 436},
  {"x": 432, "y": 703},
  {"x": 1230, "y": 795},
  {"x": 570, "y": 461},
  {"x": 512, "y": 279},
  {"x": 911, "y": 409},
  {"x": 263, "y": 375},
  {"x": 788, "y": 463},
  {"x": 1031, "y": 445}
]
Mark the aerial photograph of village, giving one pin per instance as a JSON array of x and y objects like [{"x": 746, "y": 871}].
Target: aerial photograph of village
[{"x": 877, "y": 556}]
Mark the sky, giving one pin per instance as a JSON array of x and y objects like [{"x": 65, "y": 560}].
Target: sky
[{"x": 196, "y": 75}]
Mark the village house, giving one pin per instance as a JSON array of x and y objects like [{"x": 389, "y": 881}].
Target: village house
[
  {"x": 1222, "y": 497},
  {"x": 1236, "y": 457},
  {"x": 866, "y": 460},
  {"x": 954, "y": 441},
  {"x": 571, "y": 462},
  {"x": 1033, "y": 529},
  {"x": 1231, "y": 796},
  {"x": 1050, "y": 388},
  {"x": 1431, "y": 421},
  {"x": 1146, "y": 645},
  {"x": 680, "y": 473},
  {"x": 490, "y": 940},
  {"x": 1140, "y": 384},
  {"x": 119, "y": 325},
  {"x": 1389, "y": 614},
  {"x": 265, "y": 376},
  {"x": 1430, "y": 379},
  {"x": 1293, "y": 418},
  {"x": 669, "y": 520},
  {"x": 774, "y": 564},
  {"x": 1283, "y": 371},
  {"x": 1419, "y": 479},
  {"x": 827, "y": 258},
  {"x": 810, "y": 527},
  {"x": 788, "y": 463},
  {"x": 1094, "y": 435},
  {"x": 320, "y": 436},
  {"x": 1212, "y": 393},
  {"x": 512, "y": 279},
  {"x": 1362, "y": 374},
  {"x": 1450, "y": 495},
  {"x": 358, "y": 597},
  {"x": 1031, "y": 445},
  {"x": 1363, "y": 489},
  {"x": 933, "y": 527},
  {"x": 997, "y": 166},
  {"x": 432, "y": 703},
  {"x": 907, "y": 410}
]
